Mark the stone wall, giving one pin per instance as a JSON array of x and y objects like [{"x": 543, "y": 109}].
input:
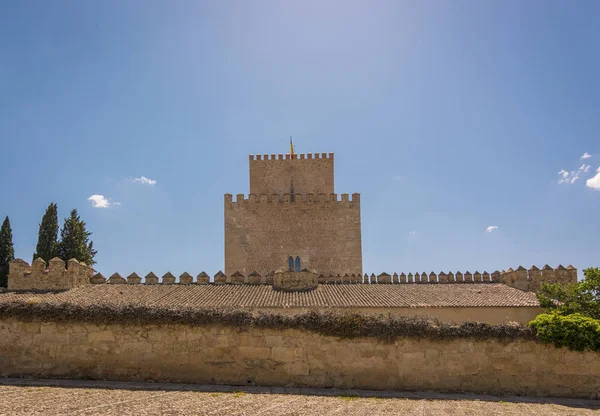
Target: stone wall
[
  {"x": 262, "y": 231},
  {"x": 300, "y": 174},
  {"x": 269, "y": 357},
  {"x": 522, "y": 279},
  {"x": 531, "y": 280},
  {"x": 21, "y": 276}
]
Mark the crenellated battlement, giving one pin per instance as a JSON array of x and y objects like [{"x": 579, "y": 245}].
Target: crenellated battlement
[
  {"x": 302, "y": 173},
  {"x": 241, "y": 199},
  {"x": 526, "y": 280},
  {"x": 288, "y": 156},
  {"x": 53, "y": 276},
  {"x": 531, "y": 279}
]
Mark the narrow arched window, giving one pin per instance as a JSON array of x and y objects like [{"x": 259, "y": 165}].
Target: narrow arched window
[
  {"x": 291, "y": 263},
  {"x": 297, "y": 264}
]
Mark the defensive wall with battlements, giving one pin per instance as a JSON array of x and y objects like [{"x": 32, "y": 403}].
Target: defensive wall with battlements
[
  {"x": 54, "y": 276},
  {"x": 51, "y": 276}
]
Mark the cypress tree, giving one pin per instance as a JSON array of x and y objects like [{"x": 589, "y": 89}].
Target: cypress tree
[
  {"x": 47, "y": 243},
  {"x": 74, "y": 241},
  {"x": 7, "y": 251}
]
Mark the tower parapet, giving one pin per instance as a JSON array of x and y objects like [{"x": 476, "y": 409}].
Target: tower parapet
[
  {"x": 293, "y": 174},
  {"x": 288, "y": 156},
  {"x": 343, "y": 199}
]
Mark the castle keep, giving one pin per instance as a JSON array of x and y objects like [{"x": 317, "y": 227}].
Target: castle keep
[{"x": 292, "y": 219}]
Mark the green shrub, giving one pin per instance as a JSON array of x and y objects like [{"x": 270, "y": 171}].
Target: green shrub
[{"x": 576, "y": 331}]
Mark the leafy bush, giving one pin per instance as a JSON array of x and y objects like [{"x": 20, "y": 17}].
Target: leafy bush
[
  {"x": 576, "y": 331},
  {"x": 573, "y": 318},
  {"x": 350, "y": 325},
  {"x": 582, "y": 297}
]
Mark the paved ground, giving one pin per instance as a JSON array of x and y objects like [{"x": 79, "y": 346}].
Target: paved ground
[{"x": 55, "y": 397}]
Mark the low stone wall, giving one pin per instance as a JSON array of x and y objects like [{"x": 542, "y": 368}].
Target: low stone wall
[{"x": 291, "y": 357}]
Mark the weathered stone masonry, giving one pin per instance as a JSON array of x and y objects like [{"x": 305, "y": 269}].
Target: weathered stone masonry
[
  {"x": 55, "y": 277},
  {"x": 261, "y": 233},
  {"x": 297, "y": 174},
  {"x": 269, "y": 357},
  {"x": 292, "y": 210}
]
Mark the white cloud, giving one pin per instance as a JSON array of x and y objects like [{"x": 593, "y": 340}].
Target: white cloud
[
  {"x": 569, "y": 177},
  {"x": 100, "y": 201},
  {"x": 412, "y": 233},
  {"x": 565, "y": 177},
  {"x": 594, "y": 182},
  {"x": 585, "y": 168},
  {"x": 145, "y": 181},
  {"x": 491, "y": 228},
  {"x": 572, "y": 176}
]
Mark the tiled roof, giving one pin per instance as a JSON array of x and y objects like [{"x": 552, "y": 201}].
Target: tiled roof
[{"x": 263, "y": 296}]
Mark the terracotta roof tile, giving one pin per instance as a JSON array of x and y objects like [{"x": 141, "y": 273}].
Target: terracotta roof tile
[{"x": 263, "y": 296}]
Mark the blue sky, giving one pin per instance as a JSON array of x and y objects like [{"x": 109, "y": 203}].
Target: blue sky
[{"x": 447, "y": 116}]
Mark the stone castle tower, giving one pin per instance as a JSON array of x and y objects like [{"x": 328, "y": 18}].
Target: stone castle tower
[{"x": 292, "y": 219}]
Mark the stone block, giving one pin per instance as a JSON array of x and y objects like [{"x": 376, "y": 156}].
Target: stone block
[
  {"x": 116, "y": 279},
  {"x": 255, "y": 279},
  {"x": 101, "y": 336},
  {"x": 133, "y": 278},
  {"x": 384, "y": 278},
  {"x": 168, "y": 278},
  {"x": 237, "y": 278},
  {"x": 274, "y": 340},
  {"x": 186, "y": 278},
  {"x": 203, "y": 278},
  {"x": 285, "y": 354},
  {"x": 290, "y": 281},
  {"x": 255, "y": 353},
  {"x": 151, "y": 279},
  {"x": 220, "y": 278},
  {"x": 98, "y": 279}
]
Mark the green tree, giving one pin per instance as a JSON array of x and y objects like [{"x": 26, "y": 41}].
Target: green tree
[
  {"x": 7, "y": 251},
  {"x": 74, "y": 241},
  {"x": 582, "y": 297},
  {"x": 47, "y": 244}
]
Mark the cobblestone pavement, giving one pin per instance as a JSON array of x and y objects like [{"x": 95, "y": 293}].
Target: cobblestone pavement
[{"x": 71, "y": 397}]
